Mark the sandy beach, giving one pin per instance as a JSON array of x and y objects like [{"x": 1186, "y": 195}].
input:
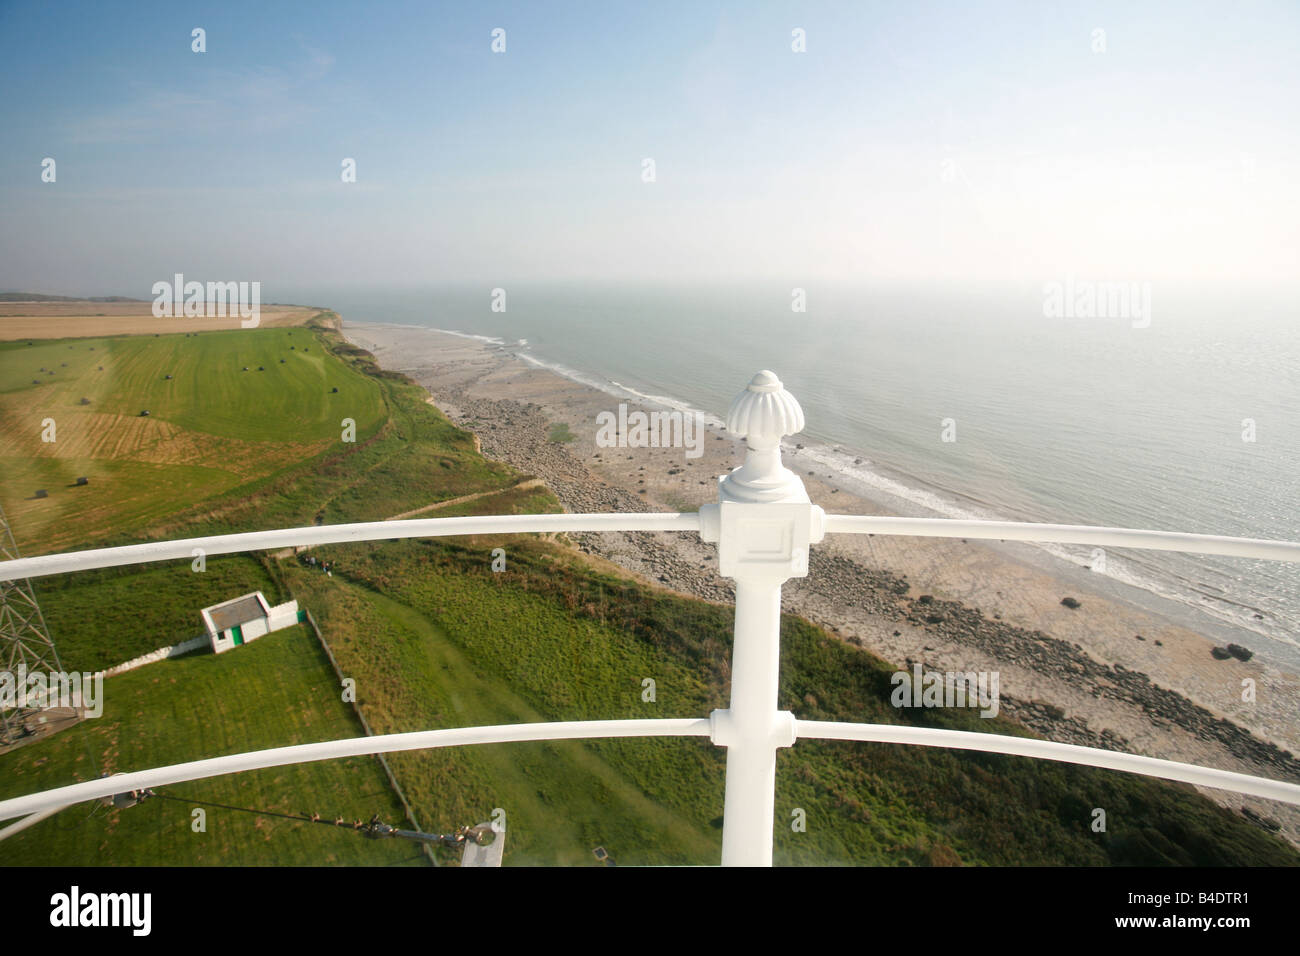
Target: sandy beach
[{"x": 1110, "y": 673}]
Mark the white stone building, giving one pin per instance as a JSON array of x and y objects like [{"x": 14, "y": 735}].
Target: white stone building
[{"x": 246, "y": 618}]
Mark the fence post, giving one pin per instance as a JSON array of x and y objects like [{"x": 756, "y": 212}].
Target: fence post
[{"x": 763, "y": 524}]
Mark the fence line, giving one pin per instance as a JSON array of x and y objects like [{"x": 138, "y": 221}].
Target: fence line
[{"x": 365, "y": 725}]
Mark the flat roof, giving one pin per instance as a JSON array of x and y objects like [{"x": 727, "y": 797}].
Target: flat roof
[{"x": 234, "y": 613}]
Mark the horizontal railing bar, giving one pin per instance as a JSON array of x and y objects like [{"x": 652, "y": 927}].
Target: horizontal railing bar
[
  {"x": 1051, "y": 750},
  {"x": 1066, "y": 534},
  {"x": 28, "y": 821},
  {"x": 686, "y": 727},
  {"x": 687, "y": 521},
  {"x": 340, "y": 533},
  {"x": 348, "y": 747}
]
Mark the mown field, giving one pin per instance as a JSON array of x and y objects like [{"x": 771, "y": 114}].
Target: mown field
[
  {"x": 212, "y": 426},
  {"x": 276, "y": 691},
  {"x": 406, "y": 455},
  {"x": 434, "y": 638},
  {"x": 106, "y": 616}
]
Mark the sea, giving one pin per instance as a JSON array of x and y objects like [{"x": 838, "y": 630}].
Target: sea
[{"x": 1178, "y": 410}]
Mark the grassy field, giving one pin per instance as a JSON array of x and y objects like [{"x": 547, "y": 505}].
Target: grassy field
[
  {"x": 212, "y": 427},
  {"x": 551, "y": 639},
  {"x": 561, "y": 799},
  {"x": 406, "y": 455},
  {"x": 106, "y": 616},
  {"x": 276, "y": 691},
  {"x": 434, "y": 638}
]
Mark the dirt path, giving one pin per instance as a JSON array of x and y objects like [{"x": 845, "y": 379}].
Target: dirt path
[{"x": 522, "y": 486}]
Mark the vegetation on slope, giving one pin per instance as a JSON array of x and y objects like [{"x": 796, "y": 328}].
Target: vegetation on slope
[
  {"x": 572, "y": 644},
  {"x": 435, "y": 638}
]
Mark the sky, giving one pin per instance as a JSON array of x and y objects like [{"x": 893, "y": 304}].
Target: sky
[{"x": 999, "y": 141}]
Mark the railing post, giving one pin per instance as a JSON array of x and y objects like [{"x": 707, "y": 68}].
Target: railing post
[{"x": 763, "y": 524}]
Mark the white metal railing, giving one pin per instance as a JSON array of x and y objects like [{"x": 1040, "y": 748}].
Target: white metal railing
[
  {"x": 764, "y": 526},
  {"x": 186, "y": 548}
]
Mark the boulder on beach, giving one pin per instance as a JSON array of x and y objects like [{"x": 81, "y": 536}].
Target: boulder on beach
[
  {"x": 1220, "y": 653},
  {"x": 1240, "y": 653},
  {"x": 1072, "y": 603}
]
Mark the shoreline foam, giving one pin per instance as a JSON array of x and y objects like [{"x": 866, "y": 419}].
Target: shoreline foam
[
  {"x": 1164, "y": 591},
  {"x": 1110, "y": 674}
]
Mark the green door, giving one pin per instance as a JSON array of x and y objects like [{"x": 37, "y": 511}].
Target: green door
[{"x": 238, "y": 635}]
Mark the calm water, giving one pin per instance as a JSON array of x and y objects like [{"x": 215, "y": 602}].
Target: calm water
[{"x": 1088, "y": 421}]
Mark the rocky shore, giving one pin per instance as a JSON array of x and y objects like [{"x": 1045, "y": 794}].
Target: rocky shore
[{"x": 1100, "y": 674}]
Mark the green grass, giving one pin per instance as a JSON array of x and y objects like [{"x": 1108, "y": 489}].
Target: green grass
[
  {"x": 276, "y": 691},
  {"x": 560, "y": 433},
  {"x": 212, "y": 427},
  {"x": 408, "y": 456},
  {"x": 561, "y": 799},
  {"x": 416, "y": 458},
  {"x": 106, "y": 616},
  {"x": 434, "y": 638},
  {"x": 209, "y": 392},
  {"x": 552, "y": 638}
]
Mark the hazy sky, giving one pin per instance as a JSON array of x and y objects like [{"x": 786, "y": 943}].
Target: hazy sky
[{"x": 974, "y": 140}]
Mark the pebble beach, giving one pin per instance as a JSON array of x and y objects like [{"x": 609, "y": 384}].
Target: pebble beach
[{"x": 1106, "y": 673}]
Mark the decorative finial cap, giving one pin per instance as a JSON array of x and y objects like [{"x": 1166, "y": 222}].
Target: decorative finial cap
[
  {"x": 763, "y": 414},
  {"x": 764, "y": 411}
]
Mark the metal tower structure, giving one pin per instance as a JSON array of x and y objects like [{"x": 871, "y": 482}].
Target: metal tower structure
[{"x": 24, "y": 639}]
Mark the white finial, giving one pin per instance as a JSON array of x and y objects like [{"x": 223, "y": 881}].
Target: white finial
[{"x": 763, "y": 414}]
